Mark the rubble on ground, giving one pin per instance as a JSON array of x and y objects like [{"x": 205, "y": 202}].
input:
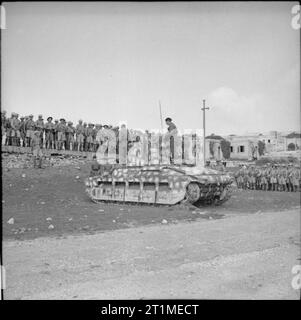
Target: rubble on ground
[{"x": 24, "y": 161}]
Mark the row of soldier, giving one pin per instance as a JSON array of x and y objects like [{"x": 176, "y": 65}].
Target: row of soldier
[
  {"x": 270, "y": 177},
  {"x": 53, "y": 135}
]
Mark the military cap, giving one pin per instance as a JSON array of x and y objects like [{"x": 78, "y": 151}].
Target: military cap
[
  {"x": 69, "y": 122},
  {"x": 37, "y": 132},
  {"x": 80, "y": 120},
  {"x": 49, "y": 118},
  {"x": 30, "y": 116},
  {"x": 22, "y": 117},
  {"x": 56, "y": 120},
  {"x": 62, "y": 119},
  {"x": 40, "y": 116}
]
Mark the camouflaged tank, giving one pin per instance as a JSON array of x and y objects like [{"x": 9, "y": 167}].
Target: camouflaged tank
[{"x": 158, "y": 184}]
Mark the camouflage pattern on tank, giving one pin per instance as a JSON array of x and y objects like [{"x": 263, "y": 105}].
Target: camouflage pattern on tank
[{"x": 157, "y": 184}]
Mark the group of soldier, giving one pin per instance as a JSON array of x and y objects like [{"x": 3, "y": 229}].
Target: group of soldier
[
  {"x": 270, "y": 177},
  {"x": 53, "y": 135}
]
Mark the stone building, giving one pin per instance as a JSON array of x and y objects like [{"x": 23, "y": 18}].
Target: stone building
[{"x": 292, "y": 141}]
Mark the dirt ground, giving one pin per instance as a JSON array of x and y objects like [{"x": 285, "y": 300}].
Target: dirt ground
[
  {"x": 244, "y": 249},
  {"x": 56, "y": 196}
]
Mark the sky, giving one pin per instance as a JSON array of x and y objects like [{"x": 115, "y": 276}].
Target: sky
[{"x": 113, "y": 62}]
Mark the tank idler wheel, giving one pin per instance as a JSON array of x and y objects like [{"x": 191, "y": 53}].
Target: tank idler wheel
[{"x": 193, "y": 192}]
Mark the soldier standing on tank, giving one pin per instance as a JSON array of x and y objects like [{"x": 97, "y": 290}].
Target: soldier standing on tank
[{"x": 172, "y": 130}]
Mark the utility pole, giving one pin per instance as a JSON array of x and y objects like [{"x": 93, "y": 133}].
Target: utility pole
[
  {"x": 161, "y": 120},
  {"x": 204, "y": 132}
]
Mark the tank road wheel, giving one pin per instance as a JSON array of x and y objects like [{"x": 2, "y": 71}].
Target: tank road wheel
[{"x": 193, "y": 192}]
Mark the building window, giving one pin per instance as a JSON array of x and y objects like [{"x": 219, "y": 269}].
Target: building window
[
  {"x": 231, "y": 149},
  {"x": 241, "y": 148},
  {"x": 269, "y": 141}
]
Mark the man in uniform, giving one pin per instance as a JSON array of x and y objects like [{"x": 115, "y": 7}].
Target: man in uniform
[
  {"x": 36, "y": 149},
  {"x": 273, "y": 178},
  {"x": 4, "y": 127},
  {"x": 257, "y": 178},
  {"x": 295, "y": 178},
  {"x": 90, "y": 136},
  {"x": 289, "y": 180},
  {"x": 263, "y": 179},
  {"x": 30, "y": 127},
  {"x": 79, "y": 130},
  {"x": 22, "y": 131},
  {"x": 268, "y": 177},
  {"x": 49, "y": 133},
  {"x": 172, "y": 130},
  {"x": 70, "y": 130},
  {"x": 282, "y": 178},
  {"x": 40, "y": 127},
  {"x": 61, "y": 130},
  {"x": 95, "y": 142},
  {"x": 251, "y": 178},
  {"x": 15, "y": 129},
  {"x": 85, "y": 133},
  {"x": 55, "y": 134}
]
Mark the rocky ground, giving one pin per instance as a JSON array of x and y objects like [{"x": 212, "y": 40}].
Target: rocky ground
[{"x": 72, "y": 240}]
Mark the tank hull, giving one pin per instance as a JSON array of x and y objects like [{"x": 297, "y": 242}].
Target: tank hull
[{"x": 162, "y": 185}]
